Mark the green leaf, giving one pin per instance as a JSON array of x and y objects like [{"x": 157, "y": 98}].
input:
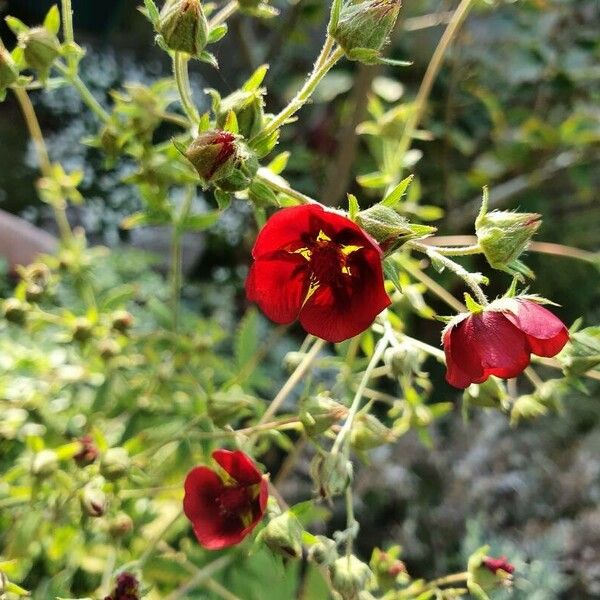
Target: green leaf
[
  {"x": 231, "y": 123},
  {"x": 247, "y": 338},
  {"x": 161, "y": 312},
  {"x": 201, "y": 221},
  {"x": 353, "y": 207},
  {"x": 207, "y": 57},
  {"x": 260, "y": 194},
  {"x": 16, "y": 25},
  {"x": 391, "y": 271},
  {"x": 152, "y": 11},
  {"x": 396, "y": 194},
  {"x": 472, "y": 305},
  {"x": 223, "y": 199},
  {"x": 279, "y": 163},
  {"x": 255, "y": 80},
  {"x": 375, "y": 180},
  {"x": 217, "y": 33},
  {"x": 116, "y": 297},
  {"x": 52, "y": 20},
  {"x": 262, "y": 145}
]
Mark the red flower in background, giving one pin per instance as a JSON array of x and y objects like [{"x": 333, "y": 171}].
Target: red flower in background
[
  {"x": 224, "y": 509},
  {"x": 127, "y": 588},
  {"x": 318, "y": 266},
  {"x": 498, "y": 564},
  {"x": 499, "y": 340},
  {"x": 88, "y": 452}
]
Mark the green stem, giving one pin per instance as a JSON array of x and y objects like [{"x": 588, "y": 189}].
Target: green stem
[
  {"x": 350, "y": 520},
  {"x": 86, "y": 95},
  {"x": 229, "y": 9},
  {"x": 37, "y": 136},
  {"x": 177, "y": 256},
  {"x": 347, "y": 427},
  {"x": 454, "y": 267},
  {"x": 321, "y": 68},
  {"x": 180, "y": 71},
  {"x": 420, "y": 103},
  {"x": 67, "y": 19},
  {"x": 201, "y": 576},
  {"x": 459, "y": 250},
  {"x": 278, "y": 184}
]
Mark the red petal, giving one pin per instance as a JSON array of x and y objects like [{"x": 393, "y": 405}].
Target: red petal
[
  {"x": 485, "y": 344},
  {"x": 545, "y": 332},
  {"x": 279, "y": 286},
  {"x": 338, "y": 313},
  {"x": 201, "y": 488},
  {"x": 239, "y": 466}
]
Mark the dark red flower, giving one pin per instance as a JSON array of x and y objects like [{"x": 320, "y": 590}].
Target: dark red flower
[
  {"x": 497, "y": 564},
  {"x": 318, "y": 266},
  {"x": 88, "y": 453},
  {"x": 499, "y": 340},
  {"x": 127, "y": 588},
  {"x": 225, "y": 508}
]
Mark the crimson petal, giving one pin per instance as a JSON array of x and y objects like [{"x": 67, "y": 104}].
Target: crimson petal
[{"x": 239, "y": 466}]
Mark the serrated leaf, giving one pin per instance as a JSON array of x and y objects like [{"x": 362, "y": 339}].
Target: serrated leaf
[
  {"x": 255, "y": 80},
  {"x": 52, "y": 20},
  {"x": 396, "y": 194},
  {"x": 247, "y": 338}
]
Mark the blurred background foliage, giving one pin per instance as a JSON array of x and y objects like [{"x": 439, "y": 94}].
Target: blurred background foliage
[{"x": 516, "y": 107}]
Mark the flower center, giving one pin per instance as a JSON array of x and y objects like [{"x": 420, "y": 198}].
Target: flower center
[
  {"x": 233, "y": 500},
  {"x": 327, "y": 262}
]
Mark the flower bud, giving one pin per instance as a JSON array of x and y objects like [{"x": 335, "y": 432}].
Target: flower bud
[
  {"x": 323, "y": 552},
  {"x": 183, "y": 26},
  {"x": 108, "y": 348},
  {"x": 498, "y": 564},
  {"x": 332, "y": 474},
  {"x": 14, "y": 311},
  {"x": 121, "y": 320},
  {"x": 283, "y": 535},
  {"x": 388, "y": 568},
  {"x": 503, "y": 235},
  {"x": 489, "y": 394},
  {"x": 318, "y": 413},
  {"x": 126, "y": 587},
  {"x": 223, "y": 159},
  {"x": 121, "y": 525},
  {"x": 349, "y": 576},
  {"x": 486, "y": 573},
  {"x": 88, "y": 452},
  {"x": 8, "y": 71},
  {"x": 248, "y": 107},
  {"x": 583, "y": 353},
  {"x": 40, "y": 49},
  {"x": 82, "y": 329},
  {"x": 365, "y": 25},
  {"x": 44, "y": 463},
  {"x": 93, "y": 501},
  {"x": 369, "y": 432},
  {"x": 115, "y": 463},
  {"x": 389, "y": 228}
]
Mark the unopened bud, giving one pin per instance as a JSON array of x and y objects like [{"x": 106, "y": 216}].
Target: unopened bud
[
  {"x": 332, "y": 474},
  {"x": 115, "y": 463},
  {"x": 121, "y": 525},
  {"x": 40, "y": 49},
  {"x": 44, "y": 463},
  {"x": 349, "y": 577},
  {"x": 248, "y": 108},
  {"x": 283, "y": 535},
  {"x": 8, "y": 71},
  {"x": 323, "y": 552},
  {"x": 388, "y": 568},
  {"x": 82, "y": 329},
  {"x": 183, "y": 26},
  {"x": 364, "y": 27},
  {"x": 93, "y": 501},
  {"x": 318, "y": 413},
  {"x": 88, "y": 452},
  {"x": 389, "y": 228},
  {"x": 14, "y": 311},
  {"x": 122, "y": 320},
  {"x": 369, "y": 432},
  {"x": 221, "y": 158},
  {"x": 486, "y": 573},
  {"x": 498, "y": 564},
  {"x": 504, "y": 235},
  {"x": 108, "y": 348},
  {"x": 491, "y": 393}
]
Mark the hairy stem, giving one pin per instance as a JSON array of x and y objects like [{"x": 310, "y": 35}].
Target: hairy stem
[
  {"x": 182, "y": 79},
  {"x": 278, "y": 184},
  {"x": 227, "y": 11}
]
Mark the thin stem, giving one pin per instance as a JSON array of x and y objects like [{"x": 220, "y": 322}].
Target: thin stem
[
  {"x": 85, "y": 93},
  {"x": 229, "y": 9},
  {"x": 153, "y": 544},
  {"x": 270, "y": 426},
  {"x": 37, "y": 136},
  {"x": 533, "y": 377},
  {"x": 214, "y": 586},
  {"x": 67, "y": 20},
  {"x": 321, "y": 68},
  {"x": 177, "y": 256},
  {"x": 350, "y": 520},
  {"x": 278, "y": 184},
  {"x": 180, "y": 71},
  {"x": 454, "y": 267},
  {"x": 201, "y": 576},
  {"x": 325, "y": 51},
  {"x": 459, "y": 250},
  {"x": 447, "y": 580},
  {"x": 290, "y": 384},
  {"x": 347, "y": 427},
  {"x": 460, "y": 14}
]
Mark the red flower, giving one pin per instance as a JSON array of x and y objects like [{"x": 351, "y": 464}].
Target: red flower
[
  {"x": 318, "y": 266},
  {"x": 499, "y": 340},
  {"x": 88, "y": 453},
  {"x": 127, "y": 588},
  {"x": 498, "y": 564},
  {"x": 225, "y": 509}
]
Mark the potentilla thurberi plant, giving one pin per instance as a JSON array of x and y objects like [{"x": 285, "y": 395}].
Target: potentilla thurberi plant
[{"x": 141, "y": 457}]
